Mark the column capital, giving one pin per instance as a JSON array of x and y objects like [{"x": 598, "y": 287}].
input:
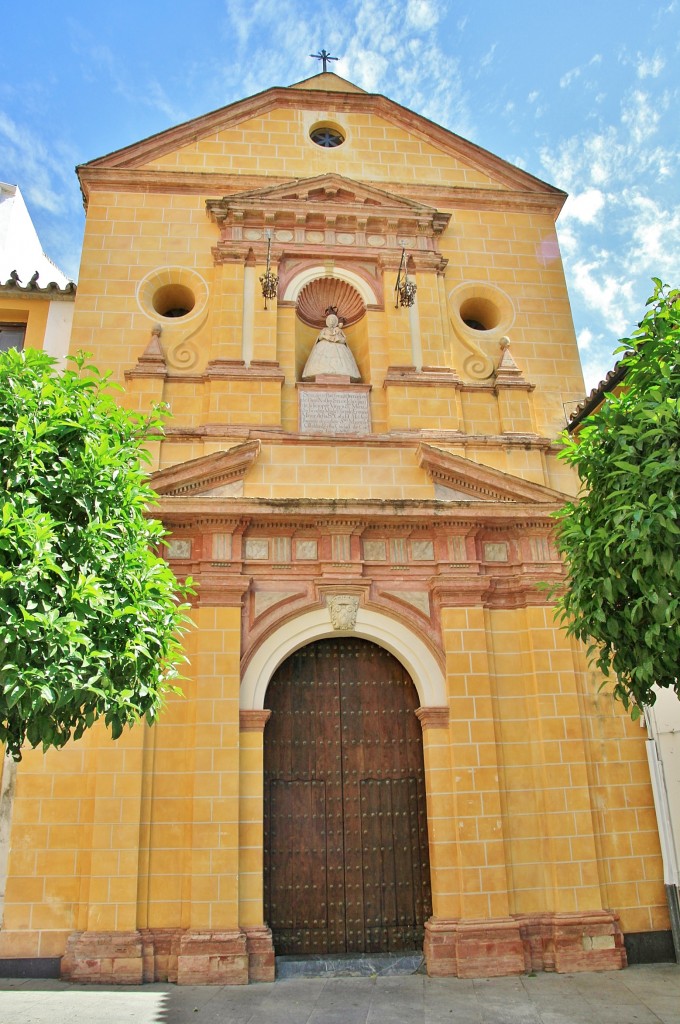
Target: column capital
[
  {"x": 253, "y": 721},
  {"x": 433, "y": 717}
]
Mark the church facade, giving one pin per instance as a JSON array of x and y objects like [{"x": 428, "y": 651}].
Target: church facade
[{"x": 360, "y": 324}]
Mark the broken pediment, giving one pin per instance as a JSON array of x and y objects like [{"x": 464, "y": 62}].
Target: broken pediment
[
  {"x": 459, "y": 479},
  {"x": 220, "y": 474},
  {"x": 290, "y": 201},
  {"x": 328, "y": 213}
]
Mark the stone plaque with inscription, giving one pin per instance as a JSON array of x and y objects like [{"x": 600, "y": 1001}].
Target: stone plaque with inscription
[{"x": 328, "y": 411}]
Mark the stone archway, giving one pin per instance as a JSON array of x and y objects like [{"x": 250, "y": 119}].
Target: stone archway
[{"x": 409, "y": 647}]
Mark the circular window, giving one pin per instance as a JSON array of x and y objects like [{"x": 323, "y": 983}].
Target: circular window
[
  {"x": 173, "y": 294},
  {"x": 481, "y": 314},
  {"x": 481, "y": 308},
  {"x": 327, "y": 135},
  {"x": 173, "y": 300}
]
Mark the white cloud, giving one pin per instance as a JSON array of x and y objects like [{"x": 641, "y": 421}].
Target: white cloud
[
  {"x": 650, "y": 67},
  {"x": 29, "y": 162},
  {"x": 422, "y": 14},
  {"x": 601, "y": 291},
  {"x": 533, "y": 96},
  {"x": 569, "y": 77},
  {"x": 584, "y": 339},
  {"x": 641, "y": 116},
  {"x": 487, "y": 59},
  {"x": 584, "y": 206}
]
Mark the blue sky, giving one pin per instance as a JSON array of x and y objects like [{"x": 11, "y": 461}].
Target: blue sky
[{"x": 582, "y": 94}]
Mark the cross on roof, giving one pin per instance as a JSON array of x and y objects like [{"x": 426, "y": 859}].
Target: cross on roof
[{"x": 323, "y": 55}]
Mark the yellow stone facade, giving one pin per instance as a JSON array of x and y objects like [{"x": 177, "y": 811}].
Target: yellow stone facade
[{"x": 427, "y": 504}]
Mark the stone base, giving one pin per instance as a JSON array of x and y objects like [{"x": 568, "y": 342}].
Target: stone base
[
  {"x": 103, "y": 958},
  {"x": 260, "y": 949},
  {"x": 563, "y": 943},
  {"x": 212, "y": 958},
  {"x": 591, "y": 941},
  {"x": 473, "y": 949},
  {"x": 170, "y": 954},
  {"x": 160, "y": 949}
]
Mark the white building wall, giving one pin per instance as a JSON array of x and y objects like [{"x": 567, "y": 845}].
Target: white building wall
[{"x": 20, "y": 247}]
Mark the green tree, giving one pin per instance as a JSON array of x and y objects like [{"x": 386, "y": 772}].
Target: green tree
[
  {"x": 90, "y": 615},
  {"x": 621, "y": 539}
]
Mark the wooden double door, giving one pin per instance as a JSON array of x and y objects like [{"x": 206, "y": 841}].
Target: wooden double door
[{"x": 345, "y": 827}]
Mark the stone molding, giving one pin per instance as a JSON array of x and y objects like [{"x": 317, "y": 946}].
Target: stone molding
[
  {"x": 207, "y": 472},
  {"x": 433, "y": 717},
  {"x": 253, "y": 720},
  {"x": 482, "y": 482}
]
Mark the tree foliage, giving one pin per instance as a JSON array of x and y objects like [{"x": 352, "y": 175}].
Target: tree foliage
[
  {"x": 621, "y": 539},
  {"x": 90, "y": 615}
]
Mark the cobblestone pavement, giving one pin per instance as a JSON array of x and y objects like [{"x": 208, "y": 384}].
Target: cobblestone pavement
[{"x": 638, "y": 995}]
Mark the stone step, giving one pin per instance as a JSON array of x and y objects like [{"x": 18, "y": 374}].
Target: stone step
[{"x": 341, "y": 965}]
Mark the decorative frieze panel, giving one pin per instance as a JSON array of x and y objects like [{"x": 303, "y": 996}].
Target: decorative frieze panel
[
  {"x": 306, "y": 550},
  {"x": 177, "y": 548},
  {"x": 256, "y": 549},
  {"x": 422, "y": 550},
  {"x": 495, "y": 551},
  {"x": 375, "y": 550}
]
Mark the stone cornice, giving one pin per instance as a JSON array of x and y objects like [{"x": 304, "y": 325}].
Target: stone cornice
[
  {"x": 299, "y": 512},
  {"x": 199, "y": 183},
  {"x": 396, "y": 439}
]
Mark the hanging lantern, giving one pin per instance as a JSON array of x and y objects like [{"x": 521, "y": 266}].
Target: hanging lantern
[
  {"x": 268, "y": 280},
  {"x": 404, "y": 289}
]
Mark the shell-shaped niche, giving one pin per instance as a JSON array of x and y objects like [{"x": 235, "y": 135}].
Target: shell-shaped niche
[{"x": 317, "y": 296}]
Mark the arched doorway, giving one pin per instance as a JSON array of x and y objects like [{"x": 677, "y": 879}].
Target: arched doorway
[{"x": 345, "y": 825}]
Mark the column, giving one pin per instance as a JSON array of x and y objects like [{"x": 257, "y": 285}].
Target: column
[
  {"x": 213, "y": 949},
  {"x": 251, "y": 847}
]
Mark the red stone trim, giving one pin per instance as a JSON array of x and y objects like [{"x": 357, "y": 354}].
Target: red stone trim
[
  {"x": 160, "y": 948},
  {"x": 429, "y": 376},
  {"x": 212, "y": 958},
  {"x": 236, "y": 369},
  {"x": 473, "y": 949},
  {"x": 587, "y": 941},
  {"x": 103, "y": 958},
  {"x": 260, "y": 947},
  {"x": 253, "y": 720},
  {"x": 433, "y": 717},
  {"x": 170, "y": 954}
]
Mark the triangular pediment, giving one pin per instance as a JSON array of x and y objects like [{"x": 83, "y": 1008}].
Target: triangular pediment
[
  {"x": 460, "y": 479},
  {"x": 263, "y": 111},
  {"x": 219, "y": 474}
]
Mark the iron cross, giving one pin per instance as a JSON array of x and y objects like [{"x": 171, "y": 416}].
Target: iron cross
[{"x": 323, "y": 55}]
